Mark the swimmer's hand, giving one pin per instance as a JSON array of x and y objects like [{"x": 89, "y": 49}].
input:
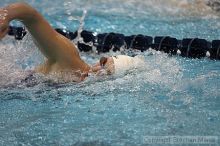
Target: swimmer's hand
[
  {"x": 4, "y": 23},
  {"x": 101, "y": 72}
]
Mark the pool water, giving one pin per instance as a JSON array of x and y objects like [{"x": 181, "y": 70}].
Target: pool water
[{"x": 169, "y": 96}]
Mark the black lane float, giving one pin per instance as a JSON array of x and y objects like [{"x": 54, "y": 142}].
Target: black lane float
[{"x": 187, "y": 47}]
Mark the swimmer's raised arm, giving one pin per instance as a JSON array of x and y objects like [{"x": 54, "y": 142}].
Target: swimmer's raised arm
[{"x": 56, "y": 48}]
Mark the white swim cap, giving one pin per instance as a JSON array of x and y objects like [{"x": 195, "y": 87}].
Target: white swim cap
[{"x": 124, "y": 63}]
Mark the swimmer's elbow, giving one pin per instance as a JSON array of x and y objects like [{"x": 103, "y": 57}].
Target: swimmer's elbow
[{"x": 23, "y": 12}]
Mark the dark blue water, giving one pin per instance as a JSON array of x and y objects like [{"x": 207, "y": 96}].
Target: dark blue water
[{"x": 169, "y": 96}]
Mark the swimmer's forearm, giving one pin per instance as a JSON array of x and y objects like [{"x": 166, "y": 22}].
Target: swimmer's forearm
[{"x": 21, "y": 11}]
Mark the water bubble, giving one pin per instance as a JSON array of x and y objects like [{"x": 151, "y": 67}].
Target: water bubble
[
  {"x": 67, "y": 3},
  {"x": 71, "y": 18},
  {"x": 178, "y": 52},
  {"x": 208, "y": 54},
  {"x": 95, "y": 33},
  {"x": 68, "y": 13}
]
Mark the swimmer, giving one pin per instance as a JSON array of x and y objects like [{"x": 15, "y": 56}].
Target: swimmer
[{"x": 60, "y": 53}]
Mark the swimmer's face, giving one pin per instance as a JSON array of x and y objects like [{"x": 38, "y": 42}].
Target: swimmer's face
[
  {"x": 108, "y": 65},
  {"x": 104, "y": 66},
  {"x": 103, "y": 61}
]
